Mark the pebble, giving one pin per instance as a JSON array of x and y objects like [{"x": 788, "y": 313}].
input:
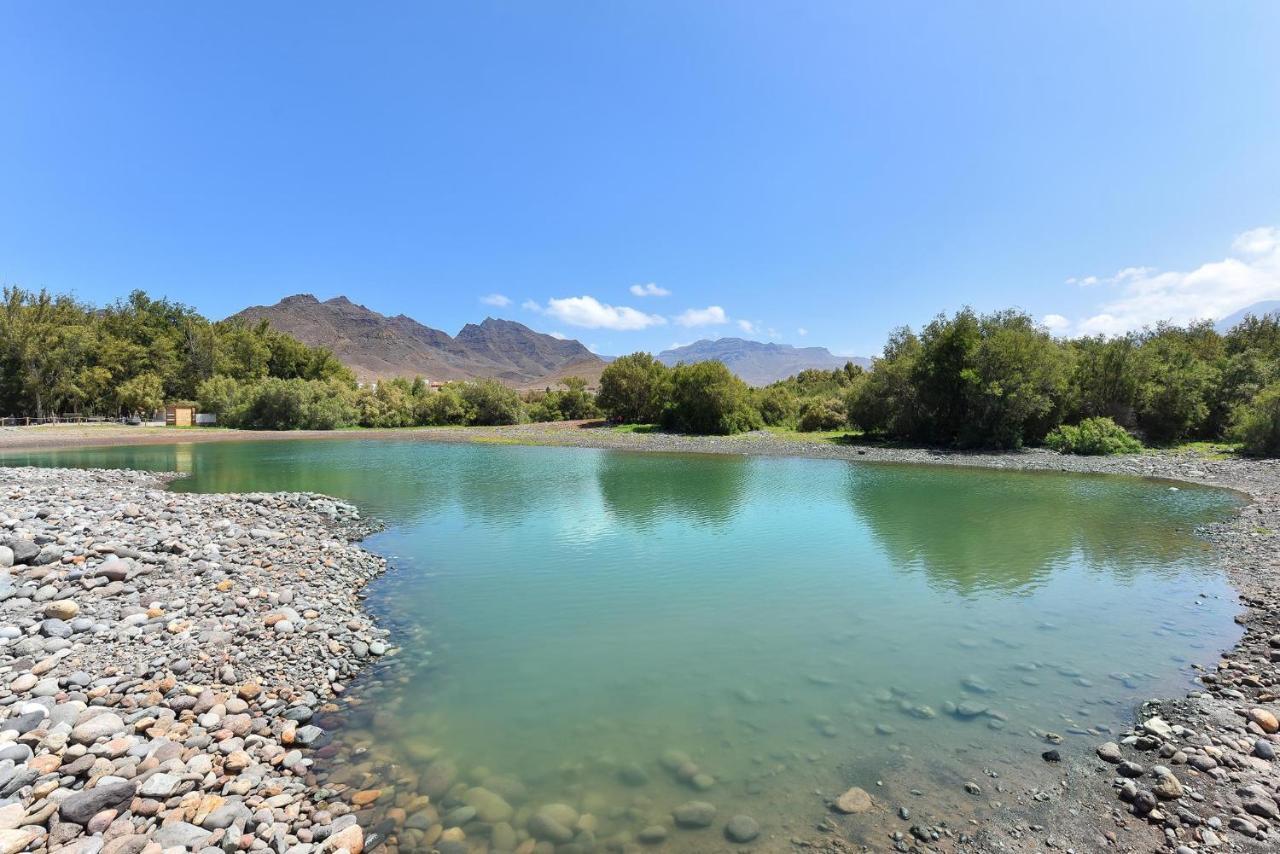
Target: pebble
[
  {"x": 694, "y": 814},
  {"x": 742, "y": 829},
  {"x": 852, "y": 801},
  {"x": 124, "y": 651}
]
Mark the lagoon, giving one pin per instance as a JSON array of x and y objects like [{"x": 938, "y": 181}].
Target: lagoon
[{"x": 572, "y": 619}]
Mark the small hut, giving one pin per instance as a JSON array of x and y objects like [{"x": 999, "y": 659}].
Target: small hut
[{"x": 179, "y": 415}]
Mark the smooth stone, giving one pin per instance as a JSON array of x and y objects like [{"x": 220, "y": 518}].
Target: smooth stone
[
  {"x": 489, "y": 806},
  {"x": 545, "y": 827},
  {"x": 62, "y": 609},
  {"x": 654, "y": 834},
  {"x": 100, "y": 726},
  {"x": 85, "y": 804},
  {"x": 854, "y": 800},
  {"x": 160, "y": 785},
  {"x": 1265, "y": 719},
  {"x": 180, "y": 834},
  {"x": 742, "y": 828},
  {"x": 694, "y": 814}
]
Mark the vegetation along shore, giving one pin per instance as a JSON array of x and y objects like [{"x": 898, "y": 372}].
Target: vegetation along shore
[{"x": 973, "y": 381}]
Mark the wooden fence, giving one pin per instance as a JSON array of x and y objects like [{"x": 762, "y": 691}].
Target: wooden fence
[{"x": 23, "y": 421}]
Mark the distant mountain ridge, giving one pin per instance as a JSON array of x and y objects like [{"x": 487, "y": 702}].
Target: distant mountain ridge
[
  {"x": 377, "y": 347},
  {"x": 757, "y": 362},
  {"x": 1258, "y": 309}
]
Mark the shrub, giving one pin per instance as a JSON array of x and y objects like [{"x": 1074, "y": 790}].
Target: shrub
[
  {"x": 444, "y": 407},
  {"x": 390, "y": 405},
  {"x": 572, "y": 403},
  {"x": 1093, "y": 437},
  {"x": 1256, "y": 424},
  {"x": 826, "y": 414},
  {"x": 276, "y": 404},
  {"x": 221, "y": 396},
  {"x": 633, "y": 389},
  {"x": 490, "y": 403},
  {"x": 778, "y": 406},
  {"x": 707, "y": 398}
]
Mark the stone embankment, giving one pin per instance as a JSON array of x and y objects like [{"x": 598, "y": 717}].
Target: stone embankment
[{"x": 162, "y": 656}]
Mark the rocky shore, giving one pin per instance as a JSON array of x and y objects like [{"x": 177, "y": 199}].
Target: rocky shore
[{"x": 162, "y": 657}]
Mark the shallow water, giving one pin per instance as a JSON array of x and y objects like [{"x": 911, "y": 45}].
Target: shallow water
[{"x": 793, "y": 626}]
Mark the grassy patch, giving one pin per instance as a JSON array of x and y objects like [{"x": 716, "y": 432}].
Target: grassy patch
[
  {"x": 1205, "y": 450},
  {"x": 843, "y": 436}
]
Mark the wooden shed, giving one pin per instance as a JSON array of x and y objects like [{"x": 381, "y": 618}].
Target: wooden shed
[{"x": 179, "y": 415}]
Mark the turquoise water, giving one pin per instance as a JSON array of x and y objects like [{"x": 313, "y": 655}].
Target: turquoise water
[{"x": 793, "y": 626}]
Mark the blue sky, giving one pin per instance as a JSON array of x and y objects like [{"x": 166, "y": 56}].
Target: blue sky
[{"x": 814, "y": 172}]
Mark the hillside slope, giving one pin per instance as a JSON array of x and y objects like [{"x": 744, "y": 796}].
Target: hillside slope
[
  {"x": 759, "y": 363},
  {"x": 376, "y": 347}
]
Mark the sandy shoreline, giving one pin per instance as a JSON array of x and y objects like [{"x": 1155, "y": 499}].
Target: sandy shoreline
[{"x": 1212, "y": 744}]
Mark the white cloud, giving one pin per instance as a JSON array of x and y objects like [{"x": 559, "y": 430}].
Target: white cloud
[
  {"x": 1257, "y": 241},
  {"x": 649, "y": 290},
  {"x": 712, "y": 315},
  {"x": 747, "y": 326},
  {"x": 558, "y": 335},
  {"x": 530, "y": 305},
  {"x": 496, "y": 299},
  {"x": 590, "y": 313},
  {"x": 802, "y": 332},
  {"x": 1144, "y": 296},
  {"x": 1054, "y": 322}
]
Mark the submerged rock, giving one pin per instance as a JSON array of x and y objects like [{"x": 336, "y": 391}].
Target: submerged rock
[
  {"x": 694, "y": 814},
  {"x": 854, "y": 800},
  {"x": 742, "y": 829}
]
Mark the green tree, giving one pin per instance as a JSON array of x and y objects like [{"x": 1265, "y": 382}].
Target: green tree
[
  {"x": 222, "y": 397},
  {"x": 1256, "y": 424},
  {"x": 1018, "y": 383},
  {"x": 1104, "y": 380},
  {"x": 444, "y": 407},
  {"x": 778, "y": 405},
  {"x": 1174, "y": 381},
  {"x": 707, "y": 398},
  {"x": 42, "y": 337},
  {"x": 822, "y": 414},
  {"x": 141, "y": 395},
  {"x": 634, "y": 389},
  {"x": 887, "y": 403},
  {"x": 490, "y": 403}
]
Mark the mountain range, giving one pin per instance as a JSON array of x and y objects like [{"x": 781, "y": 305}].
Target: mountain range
[
  {"x": 757, "y": 362},
  {"x": 1258, "y": 309},
  {"x": 377, "y": 347}
]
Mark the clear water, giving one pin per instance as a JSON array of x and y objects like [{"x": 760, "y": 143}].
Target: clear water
[{"x": 793, "y": 626}]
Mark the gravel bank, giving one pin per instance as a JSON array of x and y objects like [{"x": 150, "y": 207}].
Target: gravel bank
[{"x": 162, "y": 656}]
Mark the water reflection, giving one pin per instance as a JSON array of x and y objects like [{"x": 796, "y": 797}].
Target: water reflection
[
  {"x": 973, "y": 531},
  {"x": 700, "y": 490}
]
